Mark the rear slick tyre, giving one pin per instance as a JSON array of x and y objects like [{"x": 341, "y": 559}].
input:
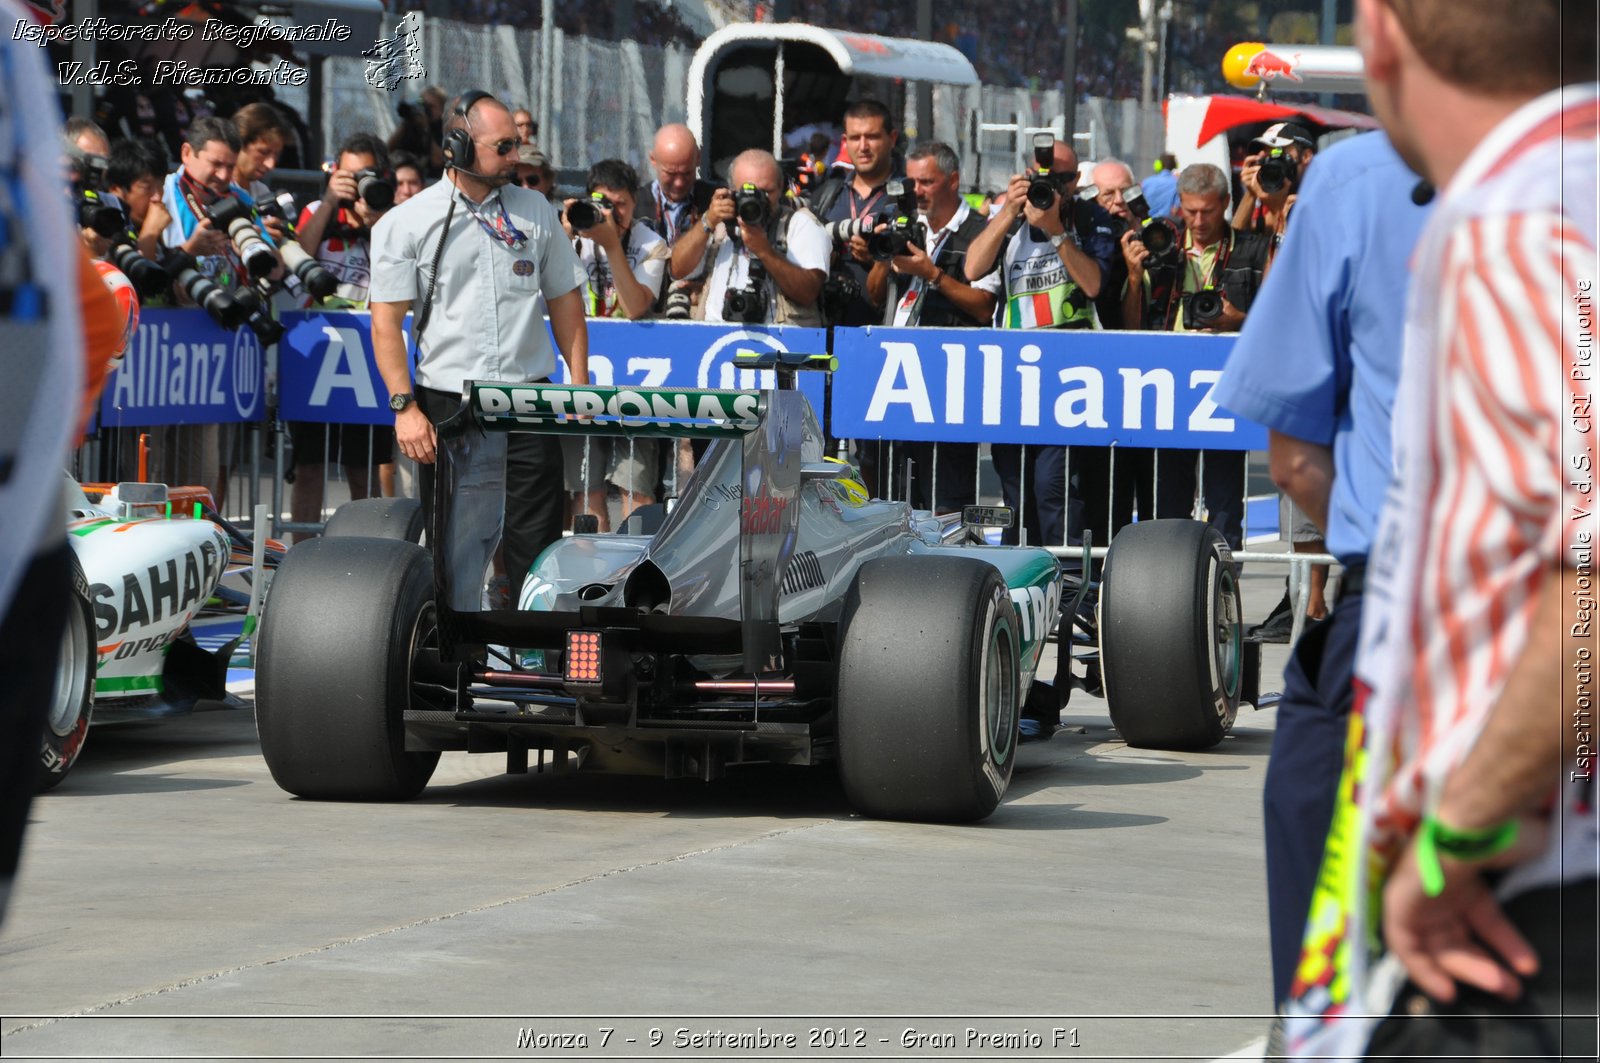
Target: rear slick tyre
[
  {"x": 377, "y": 518},
  {"x": 928, "y": 694},
  {"x": 1171, "y": 637},
  {"x": 333, "y": 681}
]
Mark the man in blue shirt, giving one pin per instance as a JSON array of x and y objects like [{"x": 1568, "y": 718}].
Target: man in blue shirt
[{"x": 1317, "y": 362}]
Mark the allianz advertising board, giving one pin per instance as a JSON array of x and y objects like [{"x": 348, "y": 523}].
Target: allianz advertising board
[
  {"x": 181, "y": 368},
  {"x": 1043, "y": 387}
]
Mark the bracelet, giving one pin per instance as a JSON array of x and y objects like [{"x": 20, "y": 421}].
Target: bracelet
[{"x": 1469, "y": 846}]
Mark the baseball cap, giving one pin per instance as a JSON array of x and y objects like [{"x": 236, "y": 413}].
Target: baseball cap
[
  {"x": 528, "y": 155},
  {"x": 1283, "y": 134}
]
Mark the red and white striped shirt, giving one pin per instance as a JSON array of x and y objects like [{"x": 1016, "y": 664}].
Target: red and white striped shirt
[{"x": 1495, "y": 454}]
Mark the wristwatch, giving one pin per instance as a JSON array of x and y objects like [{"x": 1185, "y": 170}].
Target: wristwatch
[
  {"x": 401, "y": 401},
  {"x": 933, "y": 282},
  {"x": 705, "y": 223},
  {"x": 1057, "y": 240}
]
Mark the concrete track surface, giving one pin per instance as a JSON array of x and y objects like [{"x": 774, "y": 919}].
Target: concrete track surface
[{"x": 175, "y": 904}]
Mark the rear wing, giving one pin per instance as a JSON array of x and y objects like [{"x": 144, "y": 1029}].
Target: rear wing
[
  {"x": 677, "y": 413},
  {"x": 768, "y": 428}
]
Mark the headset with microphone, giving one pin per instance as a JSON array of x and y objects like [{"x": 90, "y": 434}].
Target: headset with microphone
[{"x": 460, "y": 153}]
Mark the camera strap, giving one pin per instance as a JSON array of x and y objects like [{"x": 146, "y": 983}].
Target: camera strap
[
  {"x": 1175, "y": 292},
  {"x": 187, "y": 188}
]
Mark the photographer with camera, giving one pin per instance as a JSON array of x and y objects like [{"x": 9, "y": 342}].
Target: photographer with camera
[
  {"x": 764, "y": 259},
  {"x": 337, "y": 229},
  {"x": 626, "y": 262},
  {"x": 191, "y": 196},
  {"x": 225, "y": 250},
  {"x": 921, "y": 267},
  {"x": 1271, "y": 177},
  {"x": 607, "y": 231},
  {"x": 849, "y": 205},
  {"x": 133, "y": 175},
  {"x": 263, "y": 131},
  {"x": 1054, "y": 252},
  {"x": 1204, "y": 281}
]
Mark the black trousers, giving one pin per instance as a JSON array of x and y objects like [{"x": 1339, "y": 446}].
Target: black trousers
[
  {"x": 1177, "y": 477},
  {"x": 1554, "y": 1017},
  {"x": 535, "y": 497},
  {"x": 30, "y": 643}
]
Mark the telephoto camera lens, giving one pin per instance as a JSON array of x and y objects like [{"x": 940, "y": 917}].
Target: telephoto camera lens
[
  {"x": 239, "y": 222},
  {"x": 1276, "y": 172},
  {"x": 1202, "y": 308},
  {"x": 375, "y": 190},
  {"x": 318, "y": 281},
  {"x": 752, "y": 206},
  {"x": 205, "y": 293},
  {"x": 146, "y": 277},
  {"x": 679, "y": 306},
  {"x": 102, "y": 215},
  {"x": 260, "y": 321},
  {"x": 841, "y": 231}
]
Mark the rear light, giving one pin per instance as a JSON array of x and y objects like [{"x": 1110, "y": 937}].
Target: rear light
[{"x": 581, "y": 663}]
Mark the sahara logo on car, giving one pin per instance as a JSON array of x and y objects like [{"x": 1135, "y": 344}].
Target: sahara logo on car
[{"x": 161, "y": 591}]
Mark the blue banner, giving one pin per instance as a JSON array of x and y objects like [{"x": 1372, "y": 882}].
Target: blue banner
[
  {"x": 1021, "y": 386},
  {"x": 183, "y": 368},
  {"x": 327, "y": 373}
]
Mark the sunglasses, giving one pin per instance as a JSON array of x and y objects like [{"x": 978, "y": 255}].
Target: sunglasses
[
  {"x": 505, "y": 147},
  {"x": 531, "y": 181}
]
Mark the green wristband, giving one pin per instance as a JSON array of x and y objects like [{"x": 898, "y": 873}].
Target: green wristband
[{"x": 1433, "y": 838}]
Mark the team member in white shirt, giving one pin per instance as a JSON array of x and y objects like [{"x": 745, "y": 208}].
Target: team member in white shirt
[{"x": 498, "y": 247}]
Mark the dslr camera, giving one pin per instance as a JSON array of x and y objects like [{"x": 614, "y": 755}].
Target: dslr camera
[
  {"x": 895, "y": 234},
  {"x": 1202, "y": 308},
  {"x": 751, "y": 206},
  {"x": 1161, "y": 237},
  {"x": 1044, "y": 185},
  {"x": 585, "y": 214},
  {"x": 239, "y": 222},
  {"x": 1277, "y": 171},
  {"x": 748, "y": 304}
]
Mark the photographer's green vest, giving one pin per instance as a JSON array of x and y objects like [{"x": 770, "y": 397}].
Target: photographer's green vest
[
  {"x": 785, "y": 310},
  {"x": 1241, "y": 258},
  {"x": 1039, "y": 292}
]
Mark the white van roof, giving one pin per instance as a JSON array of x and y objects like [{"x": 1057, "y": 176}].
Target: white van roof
[{"x": 854, "y": 53}]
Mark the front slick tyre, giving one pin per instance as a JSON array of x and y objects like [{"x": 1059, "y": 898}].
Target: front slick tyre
[
  {"x": 928, "y": 691},
  {"x": 1170, "y": 635},
  {"x": 72, "y": 700},
  {"x": 333, "y": 679}
]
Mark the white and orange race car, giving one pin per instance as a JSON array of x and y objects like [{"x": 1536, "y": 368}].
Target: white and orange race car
[{"x": 143, "y": 568}]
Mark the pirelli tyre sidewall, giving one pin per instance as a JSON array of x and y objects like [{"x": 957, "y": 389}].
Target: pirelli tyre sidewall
[
  {"x": 928, "y": 690},
  {"x": 72, "y": 699},
  {"x": 334, "y": 671},
  {"x": 1171, "y": 635}
]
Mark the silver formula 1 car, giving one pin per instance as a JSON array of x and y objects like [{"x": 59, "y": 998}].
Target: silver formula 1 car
[{"x": 776, "y": 615}]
